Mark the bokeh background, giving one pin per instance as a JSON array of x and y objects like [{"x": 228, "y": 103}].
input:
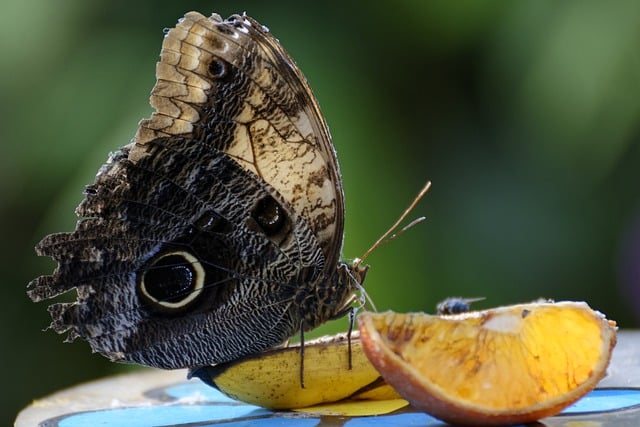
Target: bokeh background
[{"x": 525, "y": 115}]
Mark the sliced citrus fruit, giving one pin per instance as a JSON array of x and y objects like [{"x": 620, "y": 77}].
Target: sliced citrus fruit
[{"x": 507, "y": 365}]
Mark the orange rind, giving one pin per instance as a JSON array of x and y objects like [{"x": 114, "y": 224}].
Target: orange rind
[{"x": 507, "y": 365}]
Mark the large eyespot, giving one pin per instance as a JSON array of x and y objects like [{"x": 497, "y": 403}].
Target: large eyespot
[
  {"x": 270, "y": 216},
  {"x": 172, "y": 281}
]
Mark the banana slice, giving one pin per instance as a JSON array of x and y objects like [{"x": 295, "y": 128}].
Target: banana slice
[{"x": 272, "y": 379}]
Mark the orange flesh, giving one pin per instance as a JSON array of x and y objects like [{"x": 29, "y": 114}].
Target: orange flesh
[{"x": 511, "y": 358}]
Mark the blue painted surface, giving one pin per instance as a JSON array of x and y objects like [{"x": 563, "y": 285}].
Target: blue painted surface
[
  {"x": 412, "y": 419},
  {"x": 605, "y": 400},
  {"x": 218, "y": 409},
  {"x": 162, "y": 415},
  {"x": 271, "y": 422}
]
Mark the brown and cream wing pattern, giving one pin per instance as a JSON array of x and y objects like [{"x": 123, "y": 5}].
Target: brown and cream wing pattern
[
  {"x": 216, "y": 232},
  {"x": 229, "y": 83}
]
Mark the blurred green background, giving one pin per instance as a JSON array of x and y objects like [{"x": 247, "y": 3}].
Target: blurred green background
[{"x": 525, "y": 115}]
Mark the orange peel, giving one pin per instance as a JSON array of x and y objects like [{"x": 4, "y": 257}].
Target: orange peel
[{"x": 507, "y": 365}]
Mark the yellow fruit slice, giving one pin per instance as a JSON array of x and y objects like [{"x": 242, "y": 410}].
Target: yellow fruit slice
[
  {"x": 272, "y": 379},
  {"x": 507, "y": 365}
]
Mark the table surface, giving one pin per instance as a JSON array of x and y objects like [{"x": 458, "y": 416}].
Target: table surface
[{"x": 167, "y": 398}]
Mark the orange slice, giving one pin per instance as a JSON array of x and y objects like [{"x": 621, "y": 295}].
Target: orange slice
[{"x": 507, "y": 365}]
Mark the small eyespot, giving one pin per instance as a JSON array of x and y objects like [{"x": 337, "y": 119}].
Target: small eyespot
[
  {"x": 212, "y": 222},
  {"x": 172, "y": 281},
  {"x": 218, "y": 68},
  {"x": 270, "y": 216},
  {"x": 224, "y": 29},
  {"x": 209, "y": 222}
]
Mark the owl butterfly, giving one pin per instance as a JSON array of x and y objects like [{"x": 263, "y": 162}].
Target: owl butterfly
[{"x": 217, "y": 231}]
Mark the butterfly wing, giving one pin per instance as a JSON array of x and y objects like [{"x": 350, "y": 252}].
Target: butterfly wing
[
  {"x": 232, "y": 85},
  {"x": 207, "y": 237},
  {"x": 182, "y": 275}
]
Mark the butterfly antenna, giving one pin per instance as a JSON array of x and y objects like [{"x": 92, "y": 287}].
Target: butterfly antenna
[{"x": 388, "y": 236}]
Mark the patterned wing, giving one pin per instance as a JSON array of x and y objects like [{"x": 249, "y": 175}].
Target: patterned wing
[
  {"x": 216, "y": 233},
  {"x": 231, "y": 84},
  {"x": 174, "y": 264}
]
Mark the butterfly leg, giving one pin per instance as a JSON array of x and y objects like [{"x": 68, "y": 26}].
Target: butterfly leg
[
  {"x": 351, "y": 312},
  {"x": 302, "y": 354}
]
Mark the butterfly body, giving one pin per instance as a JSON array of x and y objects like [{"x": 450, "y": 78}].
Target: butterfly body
[{"x": 217, "y": 232}]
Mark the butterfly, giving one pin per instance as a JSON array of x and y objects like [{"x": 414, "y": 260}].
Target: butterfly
[{"x": 217, "y": 232}]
